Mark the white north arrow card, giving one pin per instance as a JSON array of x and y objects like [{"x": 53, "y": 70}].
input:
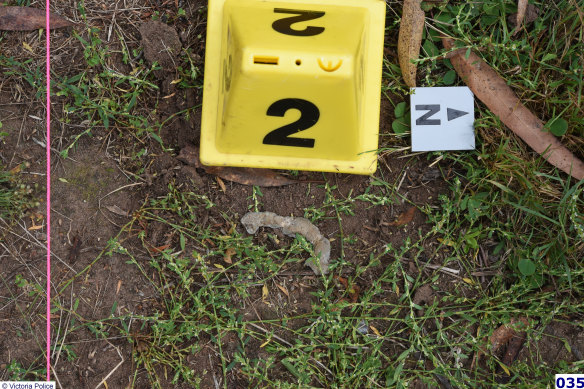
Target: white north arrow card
[{"x": 442, "y": 118}]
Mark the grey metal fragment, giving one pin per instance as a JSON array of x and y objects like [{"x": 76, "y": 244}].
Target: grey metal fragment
[{"x": 291, "y": 226}]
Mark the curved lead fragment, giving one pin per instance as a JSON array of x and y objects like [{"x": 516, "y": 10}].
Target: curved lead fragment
[{"x": 291, "y": 226}]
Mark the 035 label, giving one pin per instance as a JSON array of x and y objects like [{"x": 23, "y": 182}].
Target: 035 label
[{"x": 569, "y": 381}]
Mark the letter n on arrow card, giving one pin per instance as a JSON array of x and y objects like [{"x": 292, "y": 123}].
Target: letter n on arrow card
[{"x": 442, "y": 119}]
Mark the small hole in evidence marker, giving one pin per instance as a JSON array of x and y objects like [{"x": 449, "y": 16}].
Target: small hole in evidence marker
[{"x": 298, "y": 62}]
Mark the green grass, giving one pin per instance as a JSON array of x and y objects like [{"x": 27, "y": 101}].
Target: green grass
[
  {"x": 508, "y": 194},
  {"x": 542, "y": 62},
  {"x": 501, "y": 197},
  {"x": 100, "y": 96},
  {"x": 203, "y": 297},
  {"x": 120, "y": 103},
  {"x": 16, "y": 372}
]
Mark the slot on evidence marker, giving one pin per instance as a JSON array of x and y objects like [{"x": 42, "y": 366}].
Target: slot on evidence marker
[{"x": 265, "y": 60}]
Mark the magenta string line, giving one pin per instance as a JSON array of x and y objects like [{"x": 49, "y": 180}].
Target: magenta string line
[{"x": 48, "y": 66}]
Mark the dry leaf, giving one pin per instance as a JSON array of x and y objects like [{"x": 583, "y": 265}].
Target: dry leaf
[
  {"x": 343, "y": 281},
  {"x": 27, "y": 47},
  {"x": 228, "y": 254},
  {"x": 447, "y": 242},
  {"x": 505, "y": 368},
  {"x": 265, "y": 292},
  {"x": 521, "y": 9},
  {"x": 410, "y": 39},
  {"x": 494, "y": 92},
  {"x": 265, "y": 343},
  {"x": 249, "y": 176},
  {"x": 119, "y": 286},
  {"x": 353, "y": 291},
  {"x": 221, "y": 184},
  {"x": 375, "y": 331},
  {"x": 284, "y": 290},
  {"x": 159, "y": 249},
  {"x": 27, "y": 18},
  {"x": 241, "y": 175},
  {"x": 15, "y": 170},
  {"x": 37, "y": 217},
  {"x": 504, "y": 333},
  {"x": 513, "y": 348},
  {"x": 404, "y": 218},
  {"x": 501, "y": 336},
  {"x": 117, "y": 210}
]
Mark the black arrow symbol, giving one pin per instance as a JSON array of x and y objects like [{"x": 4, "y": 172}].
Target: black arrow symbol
[{"x": 454, "y": 113}]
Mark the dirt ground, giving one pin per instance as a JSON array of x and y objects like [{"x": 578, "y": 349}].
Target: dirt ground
[{"x": 97, "y": 188}]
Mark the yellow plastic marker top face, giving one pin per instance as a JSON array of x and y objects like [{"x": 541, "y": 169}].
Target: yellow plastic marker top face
[{"x": 293, "y": 85}]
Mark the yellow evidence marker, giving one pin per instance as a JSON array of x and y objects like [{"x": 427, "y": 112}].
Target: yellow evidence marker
[{"x": 293, "y": 84}]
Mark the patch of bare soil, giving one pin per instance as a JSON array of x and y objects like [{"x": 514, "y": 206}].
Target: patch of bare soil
[
  {"x": 22, "y": 253},
  {"x": 560, "y": 342}
]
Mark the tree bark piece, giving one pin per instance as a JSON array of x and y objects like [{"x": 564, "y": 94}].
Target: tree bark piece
[{"x": 27, "y": 18}]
